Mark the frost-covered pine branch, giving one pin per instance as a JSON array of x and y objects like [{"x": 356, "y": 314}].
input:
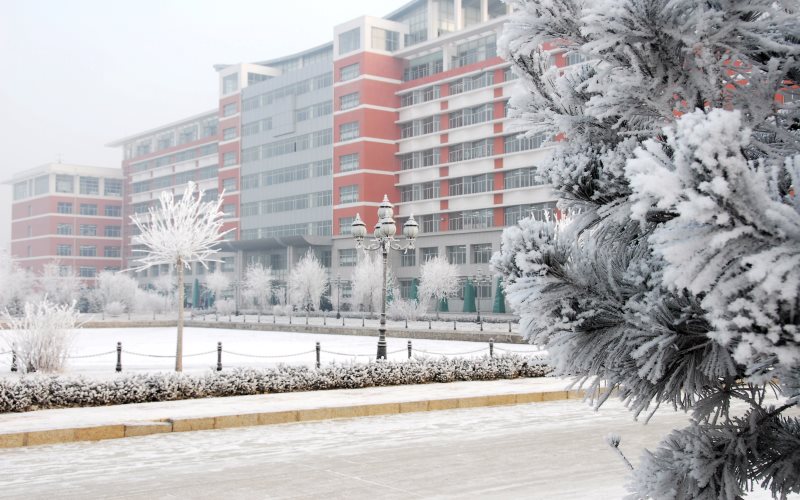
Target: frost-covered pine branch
[{"x": 178, "y": 233}]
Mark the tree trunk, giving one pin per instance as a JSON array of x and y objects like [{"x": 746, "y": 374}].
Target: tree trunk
[{"x": 179, "y": 347}]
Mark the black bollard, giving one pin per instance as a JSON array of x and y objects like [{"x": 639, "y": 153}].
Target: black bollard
[
  {"x": 13, "y": 360},
  {"x": 290, "y": 318},
  {"x": 406, "y": 323},
  {"x": 154, "y": 315},
  {"x": 429, "y": 324},
  {"x": 362, "y": 320},
  {"x": 244, "y": 318},
  {"x": 342, "y": 320},
  {"x": 409, "y": 349},
  {"x": 273, "y": 318},
  {"x": 491, "y": 348},
  {"x": 509, "y": 327},
  {"x": 119, "y": 357},
  {"x": 324, "y": 319},
  {"x": 219, "y": 356},
  {"x": 454, "y": 325},
  {"x": 259, "y": 317},
  {"x": 317, "y": 354},
  {"x": 481, "y": 325}
]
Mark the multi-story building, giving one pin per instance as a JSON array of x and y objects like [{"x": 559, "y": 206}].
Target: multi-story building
[
  {"x": 167, "y": 158},
  {"x": 412, "y": 105},
  {"x": 71, "y": 214}
]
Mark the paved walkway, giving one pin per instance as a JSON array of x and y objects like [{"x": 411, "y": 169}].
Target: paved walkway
[{"x": 89, "y": 424}]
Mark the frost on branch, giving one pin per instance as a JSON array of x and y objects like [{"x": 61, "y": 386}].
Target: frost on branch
[
  {"x": 41, "y": 337},
  {"x": 258, "y": 284},
  {"x": 307, "y": 282},
  {"x": 438, "y": 281},
  {"x": 367, "y": 277}
]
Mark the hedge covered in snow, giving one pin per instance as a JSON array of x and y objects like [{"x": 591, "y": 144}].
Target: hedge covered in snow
[{"x": 38, "y": 391}]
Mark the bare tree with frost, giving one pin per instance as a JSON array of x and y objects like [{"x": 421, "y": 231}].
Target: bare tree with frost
[
  {"x": 307, "y": 282},
  {"x": 17, "y": 285},
  {"x": 216, "y": 283},
  {"x": 674, "y": 275},
  {"x": 179, "y": 233},
  {"x": 59, "y": 284},
  {"x": 116, "y": 290},
  {"x": 258, "y": 284},
  {"x": 438, "y": 281},
  {"x": 367, "y": 276}
]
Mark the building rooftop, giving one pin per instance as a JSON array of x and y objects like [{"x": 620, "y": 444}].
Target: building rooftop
[
  {"x": 65, "y": 168},
  {"x": 206, "y": 114}
]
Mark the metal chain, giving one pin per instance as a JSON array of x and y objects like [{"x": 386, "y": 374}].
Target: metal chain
[
  {"x": 346, "y": 354},
  {"x": 516, "y": 352},
  {"x": 275, "y": 356},
  {"x": 450, "y": 353},
  {"x": 91, "y": 355},
  {"x": 149, "y": 355},
  {"x": 199, "y": 354}
]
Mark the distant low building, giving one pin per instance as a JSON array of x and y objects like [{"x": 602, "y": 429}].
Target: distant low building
[{"x": 67, "y": 213}]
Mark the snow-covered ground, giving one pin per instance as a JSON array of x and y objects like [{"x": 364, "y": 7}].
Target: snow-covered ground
[
  {"x": 153, "y": 349},
  {"x": 538, "y": 451}
]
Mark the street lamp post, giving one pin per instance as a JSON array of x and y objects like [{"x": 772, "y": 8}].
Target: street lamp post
[
  {"x": 338, "y": 296},
  {"x": 383, "y": 241},
  {"x": 479, "y": 279}
]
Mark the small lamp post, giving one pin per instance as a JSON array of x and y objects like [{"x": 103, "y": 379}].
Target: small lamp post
[
  {"x": 383, "y": 241},
  {"x": 338, "y": 296}
]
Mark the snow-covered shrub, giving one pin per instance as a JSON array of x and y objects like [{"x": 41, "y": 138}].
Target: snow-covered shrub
[
  {"x": 225, "y": 306},
  {"x": 282, "y": 310},
  {"x": 33, "y": 392},
  {"x": 114, "y": 309},
  {"x": 42, "y": 336},
  {"x": 147, "y": 302},
  {"x": 400, "y": 309}
]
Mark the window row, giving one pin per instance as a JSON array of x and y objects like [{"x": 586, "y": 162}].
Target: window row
[
  {"x": 183, "y": 134},
  {"x": 287, "y": 146},
  {"x": 179, "y": 179},
  {"x": 285, "y": 175},
  {"x": 422, "y": 126},
  {"x": 320, "y": 228},
  {"x": 473, "y": 82},
  {"x": 471, "y": 116},
  {"x": 287, "y": 204},
  {"x": 475, "y": 51},
  {"x": 298, "y": 88},
  {"x": 64, "y": 207},
  {"x": 88, "y": 230},
  {"x": 87, "y": 251},
  {"x": 422, "y": 191},
  {"x": 181, "y": 156},
  {"x": 314, "y": 111},
  {"x": 256, "y": 127},
  {"x": 420, "y": 95}
]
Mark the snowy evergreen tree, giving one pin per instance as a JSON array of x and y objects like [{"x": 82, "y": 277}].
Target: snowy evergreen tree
[
  {"x": 307, "y": 282},
  {"x": 179, "y": 233},
  {"x": 438, "y": 281},
  {"x": 673, "y": 274}
]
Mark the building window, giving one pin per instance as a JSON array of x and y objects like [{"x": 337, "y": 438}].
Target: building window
[
  {"x": 88, "y": 272},
  {"x": 88, "y": 251},
  {"x": 348, "y": 163},
  {"x": 481, "y": 253},
  {"x": 88, "y": 209},
  {"x": 348, "y": 257},
  {"x": 229, "y": 109},
  {"x": 346, "y": 225},
  {"x": 112, "y": 187},
  {"x": 63, "y": 250},
  {"x": 228, "y": 264},
  {"x": 420, "y": 96},
  {"x": 457, "y": 254},
  {"x": 230, "y": 83},
  {"x": 473, "y": 219},
  {"x": 408, "y": 259},
  {"x": 113, "y": 231},
  {"x": 471, "y": 116},
  {"x": 475, "y": 51},
  {"x": 229, "y": 210},
  {"x": 229, "y": 159},
  {"x": 41, "y": 185},
  {"x": 416, "y": 192},
  {"x": 65, "y": 184},
  {"x": 349, "y": 41},
  {"x": 229, "y": 184},
  {"x": 419, "y": 127},
  {"x": 113, "y": 211},
  {"x": 471, "y": 150},
  {"x": 229, "y": 133},
  {"x": 64, "y": 229},
  {"x": 521, "y": 177},
  {"x": 429, "y": 223},
  {"x": 472, "y": 82},
  {"x": 423, "y": 66},
  {"x": 471, "y": 184},
  {"x": 348, "y": 194},
  {"x": 88, "y": 229},
  {"x": 539, "y": 211},
  {"x": 349, "y": 72},
  {"x": 111, "y": 252},
  {"x": 64, "y": 208},
  {"x": 349, "y": 131},
  {"x": 20, "y": 190},
  {"x": 349, "y": 101},
  {"x": 417, "y": 159},
  {"x": 517, "y": 142},
  {"x": 385, "y": 40},
  {"x": 428, "y": 253},
  {"x": 89, "y": 185}
]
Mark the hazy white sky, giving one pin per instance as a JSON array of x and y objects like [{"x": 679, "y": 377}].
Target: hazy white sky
[{"x": 78, "y": 74}]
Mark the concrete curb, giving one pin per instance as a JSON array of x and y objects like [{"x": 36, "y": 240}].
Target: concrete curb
[{"x": 145, "y": 428}]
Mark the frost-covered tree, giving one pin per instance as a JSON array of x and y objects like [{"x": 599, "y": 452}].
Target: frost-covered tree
[
  {"x": 17, "y": 285},
  {"x": 216, "y": 283},
  {"x": 258, "y": 284},
  {"x": 673, "y": 274},
  {"x": 366, "y": 278},
  {"x": 439, "y": 280},
  {"x": 42, "y": 336},
  {"x": 179, "y": 233},
  {"x": 116, "y": 288},
  {"x": 307, "y": 282},
  {"x": 59, "y": 284},
  {"x": 165, "y": 286}
]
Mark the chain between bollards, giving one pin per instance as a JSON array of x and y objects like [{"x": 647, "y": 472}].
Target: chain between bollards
[
  {"x": 118, "y": 368},
  {"x": 491, "y": 348},
  {"x": 318, "y": 351},
  {"x": 219, "y": 356},
  {"x": 409, "y": 349}
]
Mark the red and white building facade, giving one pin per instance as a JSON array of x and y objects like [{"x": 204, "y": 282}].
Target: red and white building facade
[{"x": 70, "y": 214}]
